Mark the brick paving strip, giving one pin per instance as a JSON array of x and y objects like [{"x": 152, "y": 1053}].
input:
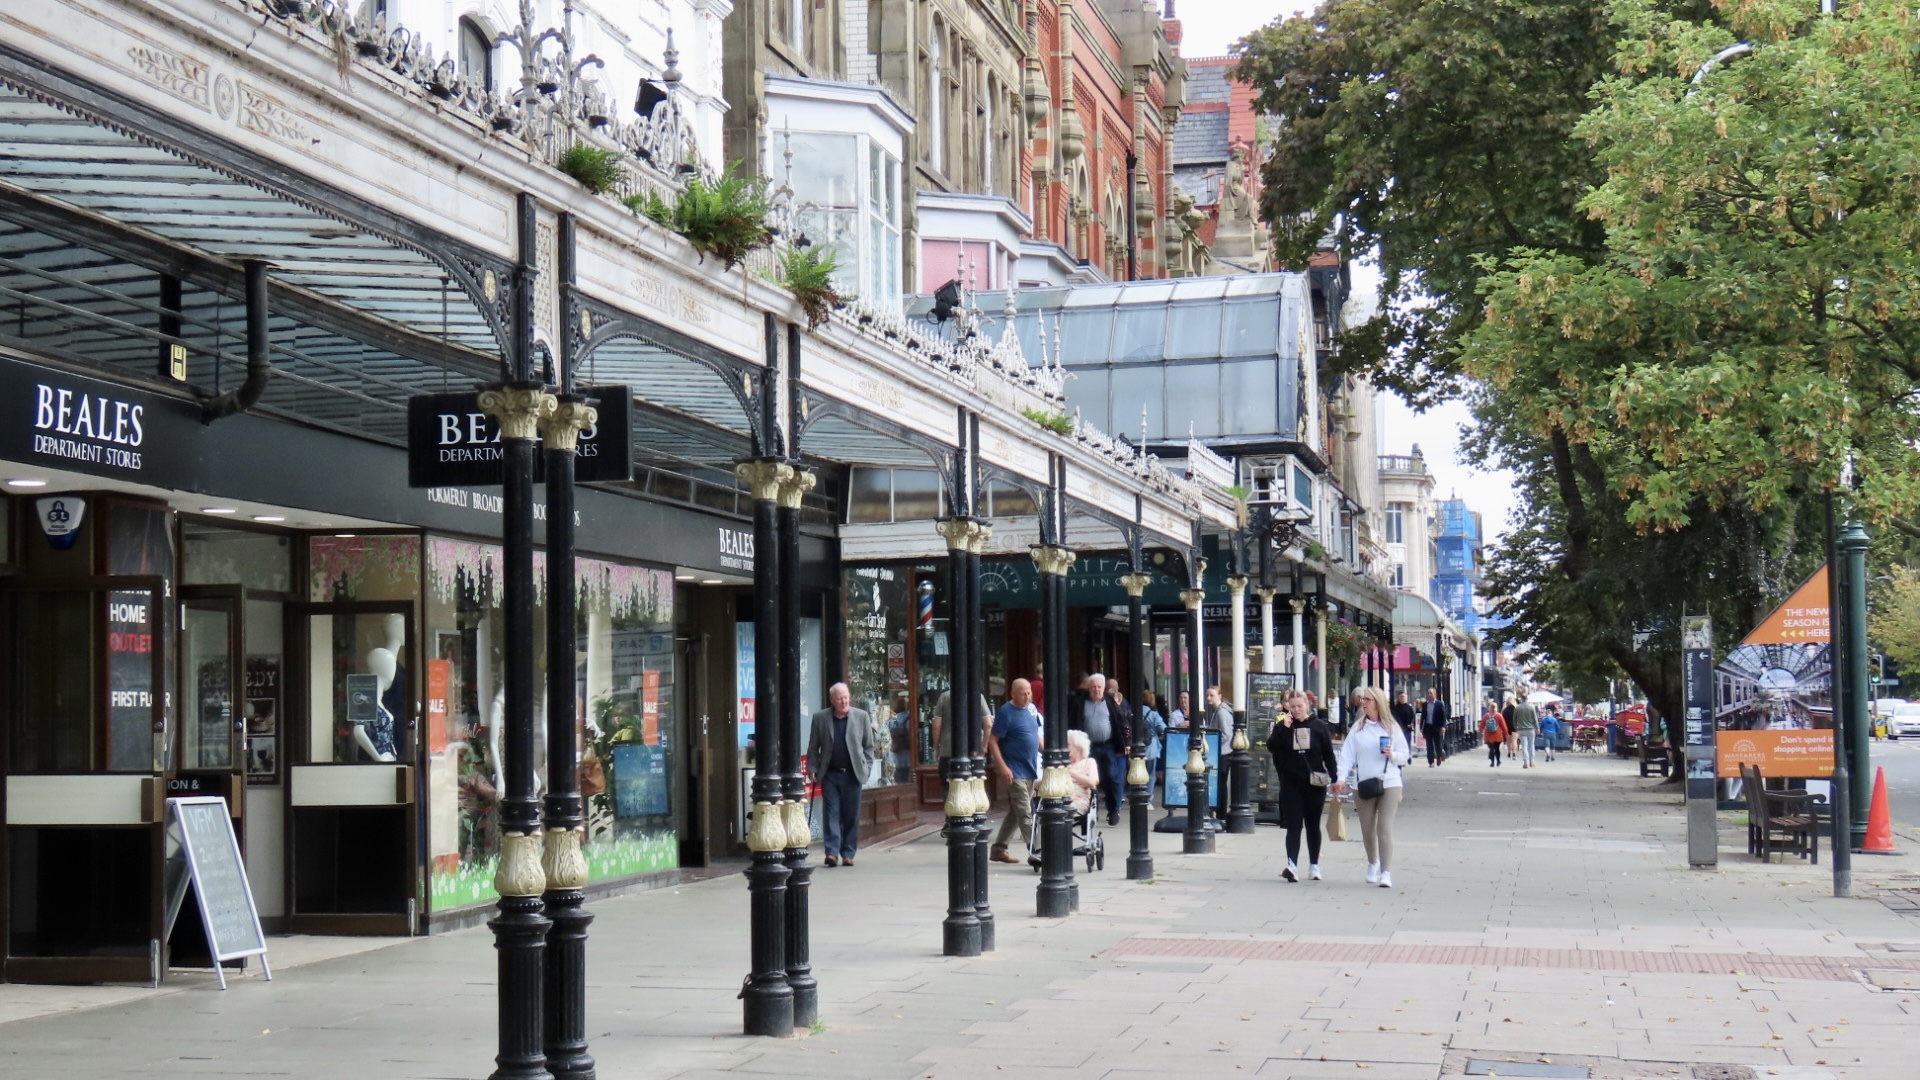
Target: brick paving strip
[{"x": 1763, "y": 965}]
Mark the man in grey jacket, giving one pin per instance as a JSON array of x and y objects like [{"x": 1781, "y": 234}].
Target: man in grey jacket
[{"x": 840, "y": 755}]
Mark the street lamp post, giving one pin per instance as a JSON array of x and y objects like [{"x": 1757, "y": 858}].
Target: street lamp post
[{"x": 1840, "y": 784}]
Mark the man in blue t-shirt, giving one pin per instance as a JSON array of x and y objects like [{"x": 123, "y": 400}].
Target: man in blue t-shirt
[{"x": 1014, "y": 747}]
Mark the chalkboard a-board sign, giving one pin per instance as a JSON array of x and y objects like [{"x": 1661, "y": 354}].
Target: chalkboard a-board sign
[
  {"x": 209, "y": 859},
  {"x": 1266, "y": 700}
]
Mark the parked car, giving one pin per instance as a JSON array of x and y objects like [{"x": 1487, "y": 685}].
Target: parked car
[{"x": 1904, "y": 720}]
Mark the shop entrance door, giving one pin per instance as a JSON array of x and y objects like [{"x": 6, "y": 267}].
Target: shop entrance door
[
  {"x": 208, "y": 738},
  {"x": 85, "y": 682},
  {"x": 353, "y": 806}
]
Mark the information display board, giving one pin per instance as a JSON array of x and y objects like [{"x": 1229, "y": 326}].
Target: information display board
[
  {"x": 1174, "y": 792},
  {"x": 208, "y": 857}
]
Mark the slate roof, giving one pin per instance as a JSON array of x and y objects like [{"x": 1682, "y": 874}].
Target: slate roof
[
  {"x": 1200, "y": 138},
  {"x": 1208, "y": 83}
]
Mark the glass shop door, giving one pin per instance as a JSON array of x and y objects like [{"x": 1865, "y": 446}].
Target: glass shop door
[{"x": 353, "y": 802}]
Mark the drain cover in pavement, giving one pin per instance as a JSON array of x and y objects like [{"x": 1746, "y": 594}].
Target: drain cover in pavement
[
  {"x": 1893, "y": 980},
  {"x": 1487, "y": 1067},
  {"x": 1722, "y": 1072}
]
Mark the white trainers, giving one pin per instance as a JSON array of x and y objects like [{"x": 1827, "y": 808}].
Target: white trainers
[
  {"x": 1386, "y": 880},
  {"x": 1313, "y": 872},
  {"x": 1291, "y": 873},
  {"x": 1373, "y": 873}
]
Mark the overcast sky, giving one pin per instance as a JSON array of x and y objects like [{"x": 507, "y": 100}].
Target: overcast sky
[{"x": 1210, "y": 28}]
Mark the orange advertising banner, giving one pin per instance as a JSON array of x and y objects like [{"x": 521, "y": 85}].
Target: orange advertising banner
[
  {"x": 439, "y": 680},
  {"x": 1803, "y": 620},
  {"x": 1801, "y": 753},
  {"x": 650, "y": 708}
]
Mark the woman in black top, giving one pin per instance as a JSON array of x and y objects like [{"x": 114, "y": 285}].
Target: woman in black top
[{"x": 1301, "y": 746}]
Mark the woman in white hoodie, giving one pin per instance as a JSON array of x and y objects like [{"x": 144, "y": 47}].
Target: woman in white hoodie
[{"x": 1374, "y": 750}]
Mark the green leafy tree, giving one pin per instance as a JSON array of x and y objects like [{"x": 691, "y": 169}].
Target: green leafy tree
[
  {"x": 1894, "y": 622},
  {"x": 1755, "y": 321},
  {"x": 1435, "y": 133},
  {"x": 1441, "y": 135}
]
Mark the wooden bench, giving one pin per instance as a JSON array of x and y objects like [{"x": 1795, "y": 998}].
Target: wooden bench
[
  {"x": 1653, "y": 755},
  {"x": 1791, "y": 817}
]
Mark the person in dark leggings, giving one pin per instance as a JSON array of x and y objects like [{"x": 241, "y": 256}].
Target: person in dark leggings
[
  {"x": 1301, "y": 747},
  {"x": 1493, "y": 728}
]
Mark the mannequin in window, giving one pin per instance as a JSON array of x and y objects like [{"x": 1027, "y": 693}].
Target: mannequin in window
[
  {"x": 496, "y": 737},
  {"x": 376, "y": 738}
]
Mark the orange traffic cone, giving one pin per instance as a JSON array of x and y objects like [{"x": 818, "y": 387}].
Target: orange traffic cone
[{"x": 1879, "y": 821}]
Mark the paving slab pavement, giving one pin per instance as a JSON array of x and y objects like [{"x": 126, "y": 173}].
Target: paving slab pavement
[{"x": 1540, "y": 918}]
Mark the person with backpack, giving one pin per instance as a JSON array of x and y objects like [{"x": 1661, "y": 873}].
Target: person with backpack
[{"x": 1493, "y": 728}]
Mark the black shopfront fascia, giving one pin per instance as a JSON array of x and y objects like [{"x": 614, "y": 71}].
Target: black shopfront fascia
[{"x": 54, "y": 419}]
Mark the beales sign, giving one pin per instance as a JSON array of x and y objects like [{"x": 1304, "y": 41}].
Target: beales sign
[
  {"x": 72, "y": 422},
  {"x": 452, "y": 442}
]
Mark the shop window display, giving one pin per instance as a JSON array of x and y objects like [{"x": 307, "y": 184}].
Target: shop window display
[
  {"x": 897, "y": 649},
  {"x": 623, "y": 722}
]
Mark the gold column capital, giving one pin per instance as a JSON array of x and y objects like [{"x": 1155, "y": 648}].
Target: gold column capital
[
  {"x": 562, "y": 861},
  {"x": 1136, "y": 583},
  {"x": 519, "y": 873},
  {"x": 1192, "y": 598},
  {"x": 562, "y": 427},
  {"x": 1298, "y": 604},
  {"x": 763, "y": 477},
  {"x": 958, "y": 532},
  {"x": 1237, "y": 584},
  {"x": 768, "y": 832},
  {"x": 519, "y": 409},
  {"x": 794, "y": 488},
  {"x": 1266, "y": 595},
  {"x": 982, "y": 532},
  {"x": 1051, "y": 559}
]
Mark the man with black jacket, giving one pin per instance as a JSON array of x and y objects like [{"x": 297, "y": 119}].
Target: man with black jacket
[
  {"x": 1098, "y": 711},
  {"x": 1403, "y": 715},
  {"x": 1433, "y": 724}
]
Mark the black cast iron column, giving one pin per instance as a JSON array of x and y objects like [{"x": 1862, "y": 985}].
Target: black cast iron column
[
  {"x": 960, "y": 930},
  {"x": 975, "y": 686},
  {"x": 1239, "y": 760},
  {"x": 1852, "y": 550},
  {"x": 1198, "y": 838},
  {"x": 1055, "y": 896},
  {"x": 793, "y": 715},
  {"x": 767, "y": 995},
  {"x": 565, "y": 865},
  {"x": 519, "y": 928},
  {"x": 1839, "y": 808},
  {"x": 1139, "y": 781}
]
